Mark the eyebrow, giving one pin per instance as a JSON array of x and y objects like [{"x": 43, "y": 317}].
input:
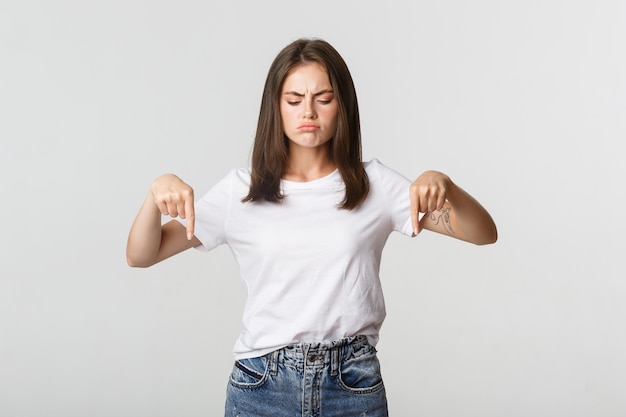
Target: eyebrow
[{"x": 319, "y": 93}]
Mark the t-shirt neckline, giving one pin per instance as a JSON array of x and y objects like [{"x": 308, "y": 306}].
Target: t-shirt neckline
[{"x": 328, "y": 179}]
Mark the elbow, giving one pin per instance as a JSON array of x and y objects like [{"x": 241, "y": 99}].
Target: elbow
[
  {"x": 135, "y": 262},
  {"x": 486, "y": 242},
  {"x": 494, "y": 235},
  {"x": 488, "y": 238}
]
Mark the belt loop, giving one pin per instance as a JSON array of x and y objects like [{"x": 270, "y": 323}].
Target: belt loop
[
  {"x": 334, "y": 361},
  {"x": 273, "y": 365}
]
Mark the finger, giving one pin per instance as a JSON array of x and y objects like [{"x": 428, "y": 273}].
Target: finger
[
  {"x": 432, "y": 204},
  {"x": 415, "y": 210},
  {"x": 191, "y": 217},
  {"x": 172, "y": 209},
  {"x": 441, "y": 201},
  {"x": 424, "y": 203},
  {"x": 162, "y": 206}
]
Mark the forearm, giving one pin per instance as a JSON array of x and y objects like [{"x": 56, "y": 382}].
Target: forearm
[
  {"x": 144, "y": 238},
  {"x": 469, "y": 218}
]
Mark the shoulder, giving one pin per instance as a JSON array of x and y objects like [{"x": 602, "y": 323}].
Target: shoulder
[
  {"x": 235, "y": 182},
  {"x": 235, "y": 177},
  {"x": 377, "y": 171},
  {"x": 240, "y": 174}
]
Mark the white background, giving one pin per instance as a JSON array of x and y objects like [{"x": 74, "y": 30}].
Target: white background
[{"x": 522, "y": 103}]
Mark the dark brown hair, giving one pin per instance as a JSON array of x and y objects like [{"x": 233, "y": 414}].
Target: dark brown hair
[{"x": 271, "y": 147}]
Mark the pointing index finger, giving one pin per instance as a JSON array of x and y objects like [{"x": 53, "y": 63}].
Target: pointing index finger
[
  {"x": 415, "y": 210},
  {"x": 191, "y": 216}
]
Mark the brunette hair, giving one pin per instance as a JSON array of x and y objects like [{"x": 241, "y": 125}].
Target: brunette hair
[{"x": 271, "y": 147}]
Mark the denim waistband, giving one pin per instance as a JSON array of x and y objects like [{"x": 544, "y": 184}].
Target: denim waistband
[{"x": 318, "y": 353}]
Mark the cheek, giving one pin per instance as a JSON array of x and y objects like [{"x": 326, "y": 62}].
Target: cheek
[
  {"x": 286, "y": 116},
  {"x": 288, "y": 111},
  {"x": 283, "y": 112},
  {"x": 332, "y": 115}
]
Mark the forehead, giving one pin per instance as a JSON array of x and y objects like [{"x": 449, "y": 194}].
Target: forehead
[{"x": 308, "y": 75}]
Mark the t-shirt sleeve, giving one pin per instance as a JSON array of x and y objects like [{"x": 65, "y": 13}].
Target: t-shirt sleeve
[
  {"x": 395, "y": 187},
  {"x": 212, "y": 211}
]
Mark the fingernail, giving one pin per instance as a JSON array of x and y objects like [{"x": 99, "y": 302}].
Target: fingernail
[{"x": 189, "y": 235}]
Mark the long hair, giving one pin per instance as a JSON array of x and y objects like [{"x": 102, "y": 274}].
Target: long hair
[{"x": 271, "y": 147}]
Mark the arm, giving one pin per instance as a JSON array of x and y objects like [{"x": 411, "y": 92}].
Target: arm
[
  {"x": 449, "y": 210},
  {"x": 148, "y": 241}
]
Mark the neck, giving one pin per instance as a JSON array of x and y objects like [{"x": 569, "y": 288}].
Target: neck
[{"x": 308, "y": 164}]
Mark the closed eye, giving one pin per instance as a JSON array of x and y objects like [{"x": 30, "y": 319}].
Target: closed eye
[
  {"x": 296, "y": 102},
  {"x": 322, "y": 97}
]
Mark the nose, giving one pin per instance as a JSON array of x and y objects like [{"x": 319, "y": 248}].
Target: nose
[{"x": 309, "y": 111}]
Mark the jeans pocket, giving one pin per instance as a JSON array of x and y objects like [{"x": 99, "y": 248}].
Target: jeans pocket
[
  {"x": 361, "y": 374},
  {"x": 249, "y": 373}
]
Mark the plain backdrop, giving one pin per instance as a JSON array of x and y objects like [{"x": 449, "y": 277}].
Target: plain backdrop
[{"x": 522, "y": 103}]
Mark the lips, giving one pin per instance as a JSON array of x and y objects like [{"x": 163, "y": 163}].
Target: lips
[{"x": 308, "y": 127}]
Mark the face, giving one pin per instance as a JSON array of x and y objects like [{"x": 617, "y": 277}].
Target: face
[{"x": 308, "y": 106}]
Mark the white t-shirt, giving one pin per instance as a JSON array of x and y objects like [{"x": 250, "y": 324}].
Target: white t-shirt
[{"x": 311, "y": 270}]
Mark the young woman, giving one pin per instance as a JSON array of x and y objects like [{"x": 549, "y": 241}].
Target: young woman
[{"x": 307, "y": 224}]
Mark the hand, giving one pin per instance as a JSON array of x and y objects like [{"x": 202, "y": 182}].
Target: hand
[
  {"x": 174, "y": 198},
  {"x": 427, "y": 194}
]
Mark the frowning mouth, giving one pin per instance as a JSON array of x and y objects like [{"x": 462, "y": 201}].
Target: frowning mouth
[{"x": 308, "y": 127}]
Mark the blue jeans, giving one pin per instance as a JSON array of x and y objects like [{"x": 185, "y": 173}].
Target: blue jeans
[{"x": 335, "y": 379}]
